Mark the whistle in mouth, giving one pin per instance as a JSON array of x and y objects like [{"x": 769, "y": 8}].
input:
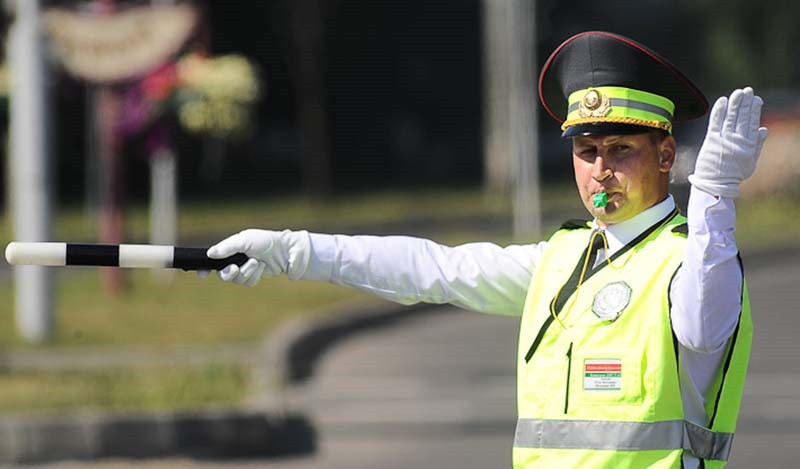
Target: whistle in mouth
[{"x": 600, "y": 200}]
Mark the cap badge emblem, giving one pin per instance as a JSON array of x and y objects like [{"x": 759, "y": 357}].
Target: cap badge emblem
[
  {"x": 594, "y": 104},
  {"x": 611, "y": 300}
]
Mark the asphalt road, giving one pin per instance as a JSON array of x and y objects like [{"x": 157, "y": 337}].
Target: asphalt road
[{"x": 438, "y": 391}]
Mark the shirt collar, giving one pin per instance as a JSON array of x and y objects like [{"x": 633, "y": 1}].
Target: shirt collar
[{"x": 620, "y": 234}]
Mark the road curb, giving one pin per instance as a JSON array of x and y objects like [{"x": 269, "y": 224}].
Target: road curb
[
  {"x": 203, "y": 435},
  {"x": 294, "y": 349}
]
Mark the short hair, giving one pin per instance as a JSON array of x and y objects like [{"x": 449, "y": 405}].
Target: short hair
[{"x": 657, "y": 136}]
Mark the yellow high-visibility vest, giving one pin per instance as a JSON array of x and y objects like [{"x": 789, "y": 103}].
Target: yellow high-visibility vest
[{"x": 597, "y": 374}]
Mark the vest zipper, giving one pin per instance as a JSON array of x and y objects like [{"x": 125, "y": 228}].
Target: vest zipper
[{"x": 569, "y": 371}]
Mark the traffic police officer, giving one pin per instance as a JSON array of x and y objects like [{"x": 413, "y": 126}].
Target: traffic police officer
[{"x": 636, "y": 326}]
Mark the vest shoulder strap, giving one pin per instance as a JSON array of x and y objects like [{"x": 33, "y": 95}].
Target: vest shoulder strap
[
  {"x": 575, "y": 224},
  {"x": 683, "y": 229}
]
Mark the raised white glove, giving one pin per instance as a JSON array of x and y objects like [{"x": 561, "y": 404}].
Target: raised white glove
[
  {"x": 270, "y": 253},
  {"x": 732, "y": 144}
]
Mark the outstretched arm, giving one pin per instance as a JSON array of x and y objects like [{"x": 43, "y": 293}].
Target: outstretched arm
[{"x": 478, "y": 276}]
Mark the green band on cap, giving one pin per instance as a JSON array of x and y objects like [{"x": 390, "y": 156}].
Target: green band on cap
[{"x": 619, "y": 105}]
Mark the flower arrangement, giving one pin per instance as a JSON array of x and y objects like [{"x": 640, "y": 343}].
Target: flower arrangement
[
  {"x": 216, "y": 95},
  {"x": 211, "y": 96}
]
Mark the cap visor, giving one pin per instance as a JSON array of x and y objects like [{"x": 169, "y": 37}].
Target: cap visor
[{"x": 604, "y": 128}]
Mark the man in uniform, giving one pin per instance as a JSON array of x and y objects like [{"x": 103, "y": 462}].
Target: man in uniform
[{"x": 636, "y": 327}]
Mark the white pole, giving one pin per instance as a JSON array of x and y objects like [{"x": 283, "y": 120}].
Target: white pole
[
  {"x": 163, "y": 206},
  {"x": 523, "y": 121},
  {"x": 163, "y": 203},
  {"x": 163, "y": 194},
  {"x": 29, "y": 168},
  {"x": 498, "y": 174}
]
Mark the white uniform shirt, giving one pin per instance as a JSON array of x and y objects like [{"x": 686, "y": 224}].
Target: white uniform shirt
[{"x": 484, "y": 277}]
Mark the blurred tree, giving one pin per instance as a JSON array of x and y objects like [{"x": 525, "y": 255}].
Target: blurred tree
[
  {"x": 306, "y": 61},
  {"x": 748, "y": 42}
]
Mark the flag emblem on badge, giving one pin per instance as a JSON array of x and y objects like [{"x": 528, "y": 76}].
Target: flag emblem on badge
[{"x": 602, "y": 374}]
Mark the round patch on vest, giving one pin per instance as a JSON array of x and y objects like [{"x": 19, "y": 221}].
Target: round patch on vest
[{"x": 611, "y": 300}]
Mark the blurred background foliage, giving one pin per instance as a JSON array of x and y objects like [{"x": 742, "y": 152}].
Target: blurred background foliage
[
  {"x": 367, "y": 117},
  {"x": 400, "y": 87}
]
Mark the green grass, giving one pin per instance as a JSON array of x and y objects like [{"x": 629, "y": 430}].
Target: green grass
[
  {"x": 189, "y": 310},
  {"x": 213, "y": 220},
  {"x": 149, "y": 389},
  {"x": 192, "y": 310},
  {"x": 186, "y": 310},
  {"x": 768, "y": 223}
]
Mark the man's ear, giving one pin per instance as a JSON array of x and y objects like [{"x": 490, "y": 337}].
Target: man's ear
[{"x": 666, "y": 151}]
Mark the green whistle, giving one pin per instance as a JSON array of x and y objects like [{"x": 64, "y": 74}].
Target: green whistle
[{"x": 600, "y": 200}]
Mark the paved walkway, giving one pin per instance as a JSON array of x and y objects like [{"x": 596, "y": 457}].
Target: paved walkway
[
  {"x": 88, "y": 358},
  {"x": 415, "y": 396},
  {"x": 769, "y": 423}
]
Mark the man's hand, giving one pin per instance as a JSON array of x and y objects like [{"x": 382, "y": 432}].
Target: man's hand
[
  {"x": 732, "y": 144},
  {"x": 270, "y": 253}
]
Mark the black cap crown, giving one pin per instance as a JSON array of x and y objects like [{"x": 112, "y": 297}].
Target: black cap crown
[{"x": 599, "y": 83}]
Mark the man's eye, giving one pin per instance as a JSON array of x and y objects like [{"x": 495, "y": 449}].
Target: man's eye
[{"x": 620, "y": 148}]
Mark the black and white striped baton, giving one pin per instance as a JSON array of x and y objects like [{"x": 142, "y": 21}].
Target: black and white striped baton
[{"x": 148, "y": 256}]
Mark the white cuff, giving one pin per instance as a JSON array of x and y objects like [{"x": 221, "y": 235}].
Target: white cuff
[
  {"x": 729, "y": 190},
  {"x": 708, "y": 213},
  {"x": 298, "y": 254},
  {"x": 322, "y": 257}
]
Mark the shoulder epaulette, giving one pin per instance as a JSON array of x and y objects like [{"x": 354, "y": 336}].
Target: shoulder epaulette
[
  {"x": 575, "y": 224},
  {"x": 683, "y": 229}
]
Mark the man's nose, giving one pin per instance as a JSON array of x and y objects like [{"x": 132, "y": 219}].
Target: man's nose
[{"x": 600, "y": 169}]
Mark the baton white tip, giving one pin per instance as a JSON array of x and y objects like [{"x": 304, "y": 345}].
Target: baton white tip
[
  {"x": 14, "y": 253},
  {"x": 25, "y": 253},
  {"x": 11, "y": 253}
]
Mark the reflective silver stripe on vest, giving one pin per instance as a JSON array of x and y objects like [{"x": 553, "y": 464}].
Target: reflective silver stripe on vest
[
  {"x": 625, "y": 436},
  {"x": 630, "y": 104},
  {"x": 707, "y": 444}
]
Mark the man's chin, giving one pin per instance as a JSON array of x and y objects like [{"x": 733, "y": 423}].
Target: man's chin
[{"x": 609, "y": 214}]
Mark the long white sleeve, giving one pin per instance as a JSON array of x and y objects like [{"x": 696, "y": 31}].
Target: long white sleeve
[
  {"x": 477, "y": 276},
  {"x": 706, "y": 291},
  {"x": 706, "y": 301}
]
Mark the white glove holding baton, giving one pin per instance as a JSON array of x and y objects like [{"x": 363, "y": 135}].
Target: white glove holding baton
[
  {"x": 732, "y": 144},
  {"x": 270, "y": 252}
]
